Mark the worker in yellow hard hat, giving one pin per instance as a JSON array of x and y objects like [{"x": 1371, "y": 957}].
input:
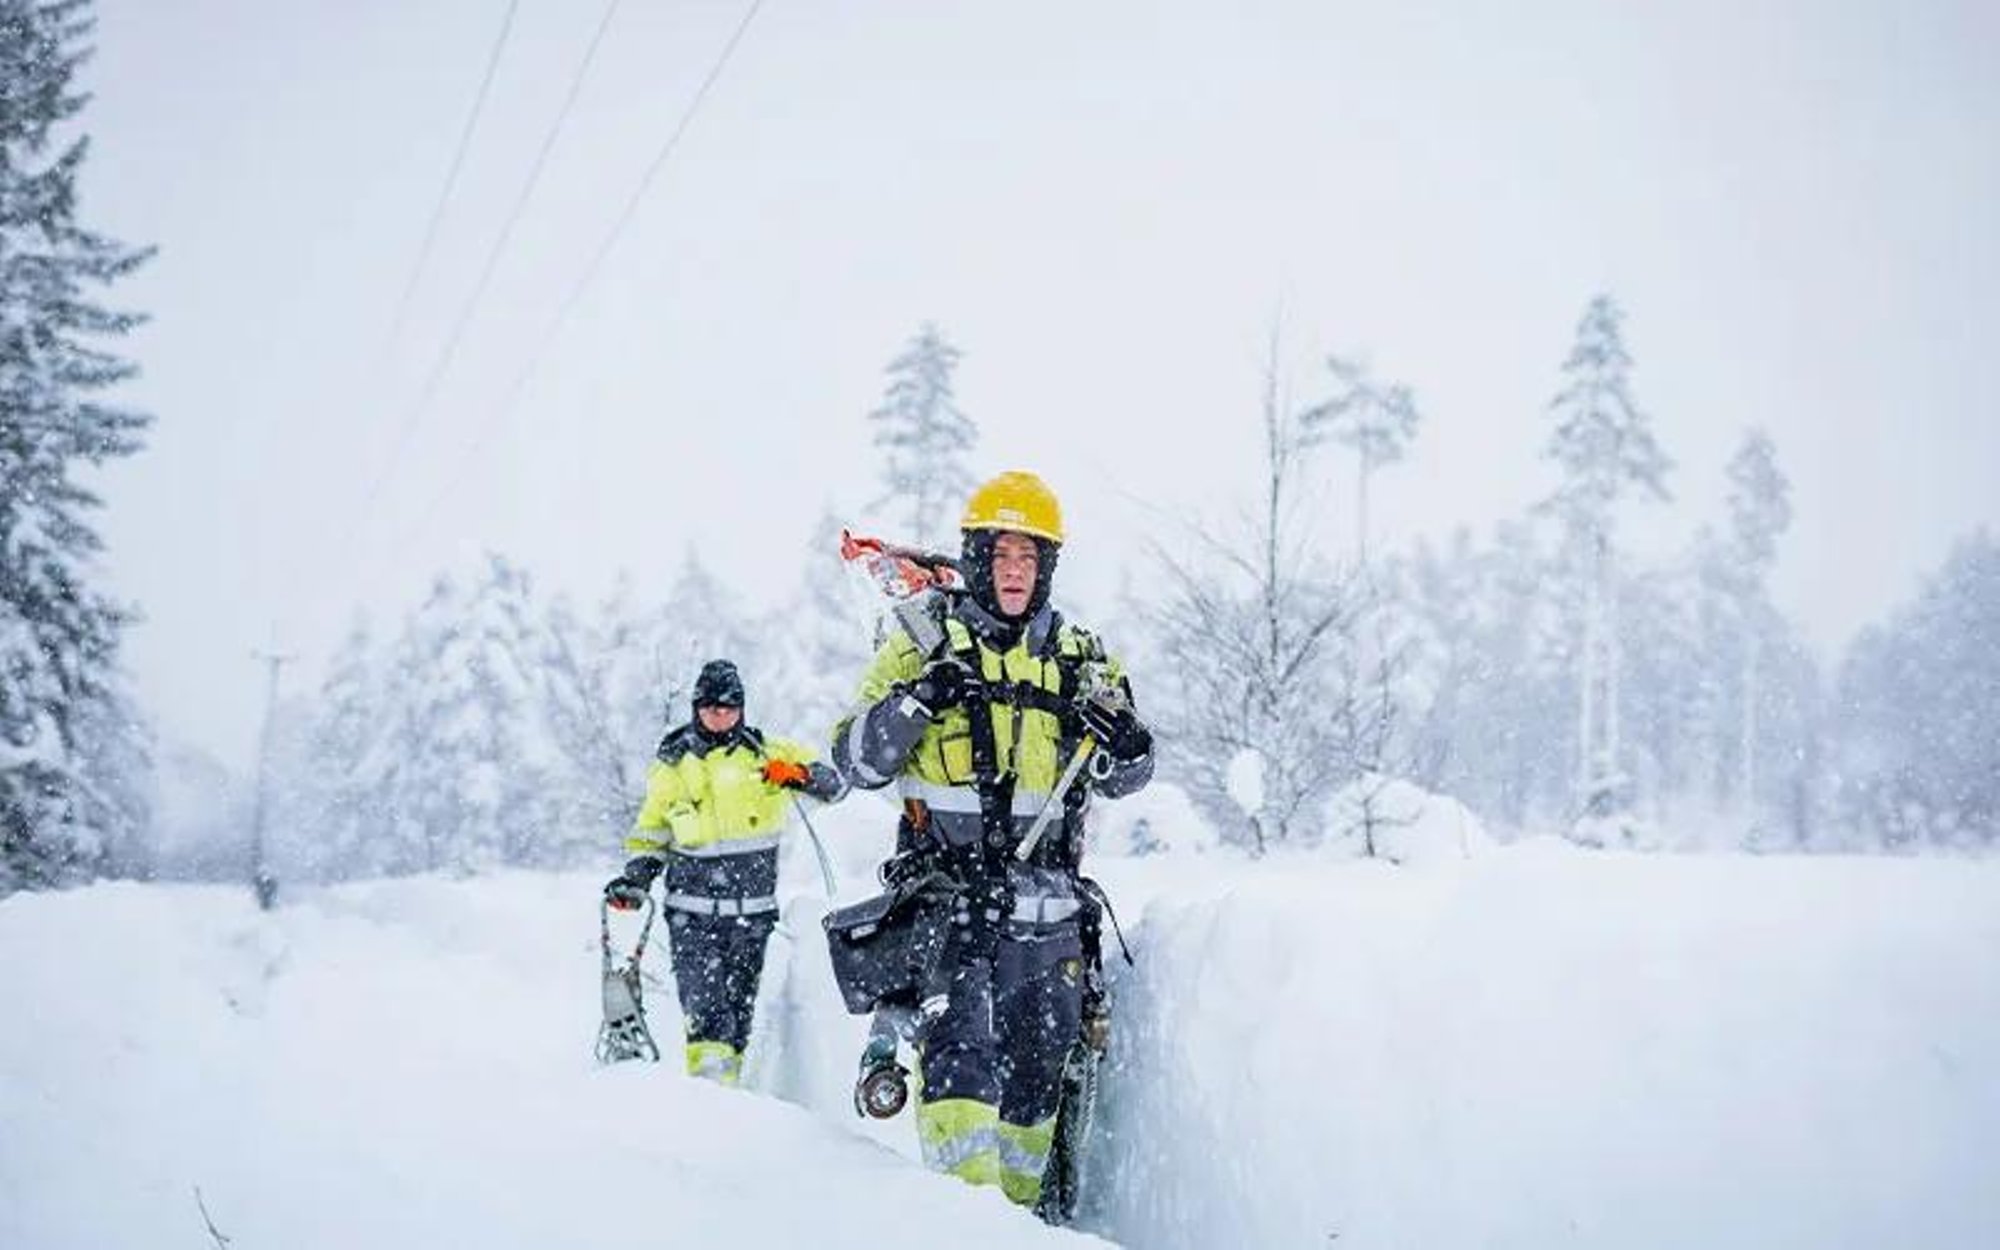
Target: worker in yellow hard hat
[{"x": 980, "y": 707}]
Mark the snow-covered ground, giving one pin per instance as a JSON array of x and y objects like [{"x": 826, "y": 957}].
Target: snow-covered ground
[
  {"x": 1556, "y": 1047},
  {"x": 1519, "y": 1047},
  {"x": 394, "y": 1065}
]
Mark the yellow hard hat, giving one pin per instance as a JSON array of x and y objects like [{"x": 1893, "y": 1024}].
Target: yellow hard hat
[{"x": 1017, "y": 502}]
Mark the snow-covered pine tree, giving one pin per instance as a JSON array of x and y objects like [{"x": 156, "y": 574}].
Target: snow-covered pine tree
[
  {"x": 611, "y": 682},
  {"x": 1487, "y": 665},
  {"x": 423, "y": 739},
  {"x": 117, "y": 748},
  {"x": 466, "y": 772},
  {"x": 597, "y": 696},
  {"x": 702, "y": 621},
  {"x": 487, "y": 771},
  {"x": 1760, "y": 510},
  {"x": 1666, "y": 706},
  {"x": 925, "y": 440},
  {"x": 1604, "y": 447},
  {"x": 1787, "y": 729},
  {"x": 1525, "y": 678},
  {"x": 1682, "y": 632},
  {"x": 331, "y": 799},
  {"x": 63, "y": 737},
  {"x": 1442, "y": 598},
  {"x": 1711, "y": 691},
  {"x": 1919, "y": 712},
  {"x": 1377, "y": 421},
  {"x": 518, "y": 762}
]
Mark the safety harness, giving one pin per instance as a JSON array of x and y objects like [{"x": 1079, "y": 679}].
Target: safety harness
[
  {"x": 938, "y": 633},
  {"x": 894, "y": 950}
]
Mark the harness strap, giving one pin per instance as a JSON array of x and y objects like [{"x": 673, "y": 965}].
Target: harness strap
[
  {"x": 1037, "y": 698},
  {"x": 930, "y": 625},
  {"x": 1095, "y": 893},
  {"x": 996, "y": 792}
]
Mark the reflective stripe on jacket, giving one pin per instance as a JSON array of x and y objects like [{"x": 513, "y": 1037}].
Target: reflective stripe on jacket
[{"x": 715, "y": 801}]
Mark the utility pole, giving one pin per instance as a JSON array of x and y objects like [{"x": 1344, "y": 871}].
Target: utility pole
[{"x": 261, "y": 879}]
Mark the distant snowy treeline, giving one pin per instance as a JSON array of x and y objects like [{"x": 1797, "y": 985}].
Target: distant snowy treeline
[
  {"x": 1537, "y": 672},
  {"x": 1545, "y": 674},
  {"x": 498, "y": 725}
]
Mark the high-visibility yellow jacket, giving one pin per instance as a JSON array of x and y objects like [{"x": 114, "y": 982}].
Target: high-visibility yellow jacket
[
  {"x": 707, "y": 800},
  {"x": 1028, "y": 673},
  {"x": 714, "y": 822}
]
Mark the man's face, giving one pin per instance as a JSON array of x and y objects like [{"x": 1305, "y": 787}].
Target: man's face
[
  {"x": 719, "y": 720},
  {"x": 1015, "y": 562}
]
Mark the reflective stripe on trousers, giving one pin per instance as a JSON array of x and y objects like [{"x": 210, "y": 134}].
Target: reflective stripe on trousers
[
  {"x": 1045, "y": 908},
  {"x": 961, "y": 1136},
  {"x": 1024, "y": 1157},
  {"x": 702, "y": 905}
]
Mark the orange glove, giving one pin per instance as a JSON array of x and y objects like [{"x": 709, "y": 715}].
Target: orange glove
[{"x": 786, "y": 775}]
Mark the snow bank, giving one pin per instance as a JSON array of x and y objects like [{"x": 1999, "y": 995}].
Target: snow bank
[
  {"x": 1536, "y": 1045},
  {"x": 394, "y": 1065},
  {"x": 1547, "y": 1046}
]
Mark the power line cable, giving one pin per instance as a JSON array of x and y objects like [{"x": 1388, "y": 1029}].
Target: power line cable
[
  {"x": 457, "y": 166},
  {"x": 504, "y": 412},
  {"x": 466, "y": 312},
  {"x": 451, "y": 177},
  {"x": 577, "y": 78}
]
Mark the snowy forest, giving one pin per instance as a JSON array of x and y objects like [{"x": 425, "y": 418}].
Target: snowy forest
[{"x": 1539, "y": 670}]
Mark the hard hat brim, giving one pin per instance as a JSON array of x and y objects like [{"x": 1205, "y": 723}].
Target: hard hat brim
[{"x": 1013, "y": 527}]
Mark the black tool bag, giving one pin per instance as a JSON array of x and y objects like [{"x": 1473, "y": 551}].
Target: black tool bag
[{"x": 887, "y": 950}]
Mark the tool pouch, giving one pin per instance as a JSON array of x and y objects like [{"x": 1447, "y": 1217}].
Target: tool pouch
[{"x": 887, "y": 949}]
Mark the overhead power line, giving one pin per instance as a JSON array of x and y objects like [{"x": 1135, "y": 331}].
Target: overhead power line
[
  {"x": 371, "y": 575},
  {"x": 470, "y": 308},
  {"x": 652, "y": 171},
  {"x": 503, "y": 413},
  {"x": 451, "y": 176}
]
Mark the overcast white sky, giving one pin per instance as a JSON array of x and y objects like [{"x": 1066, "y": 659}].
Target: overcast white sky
[{"x": 1103, "y": 204}]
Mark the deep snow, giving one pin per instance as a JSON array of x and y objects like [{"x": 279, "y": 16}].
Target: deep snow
[
  {"x": 395, "y": 1064},
  {"x": 1556, "y": 1047},
  {"x": 1526, "y": 1046}
]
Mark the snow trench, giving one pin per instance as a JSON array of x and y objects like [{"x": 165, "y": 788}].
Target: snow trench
[
  {"x": 1557, "y": 1047},
  {"x": 1534, "y": 1046}
]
